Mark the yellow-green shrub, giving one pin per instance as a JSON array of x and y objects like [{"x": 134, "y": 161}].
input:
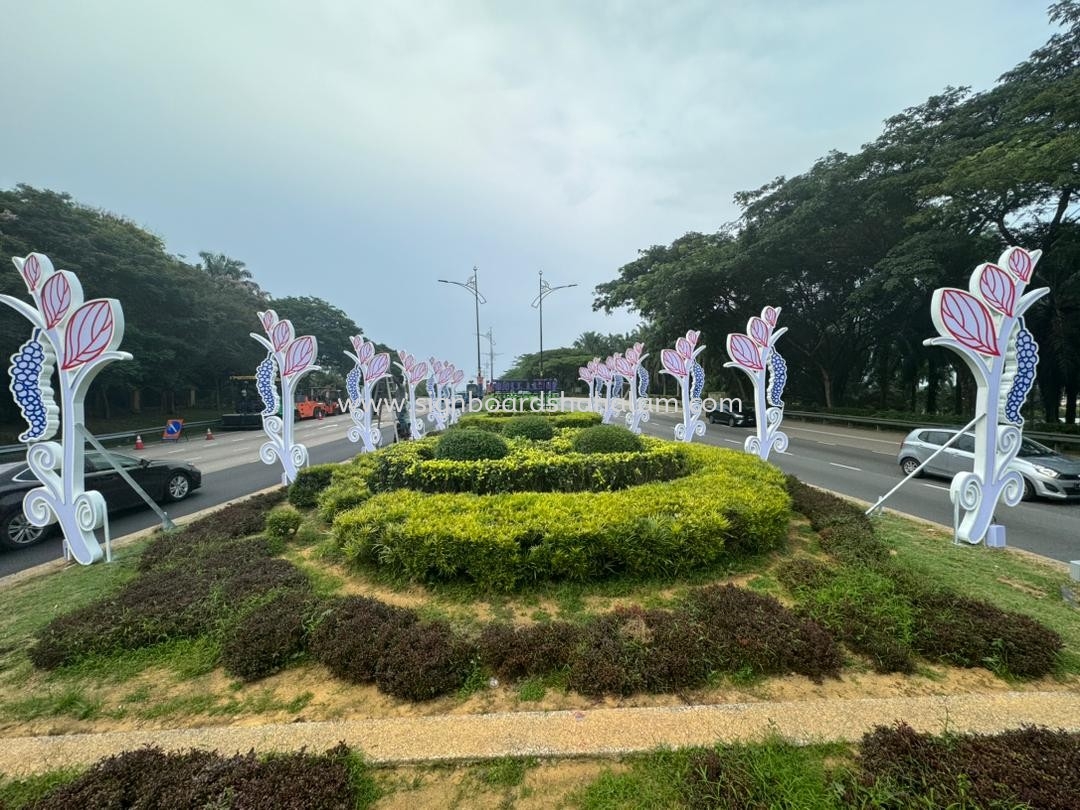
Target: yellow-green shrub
[
  {"x": 348, "y": 486},
  {"x": 531, "y": 466},
  {"x": 497, "y": 420},
  {"x": 730, "y": 504}
]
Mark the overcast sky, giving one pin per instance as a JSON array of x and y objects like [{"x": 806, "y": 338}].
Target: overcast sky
[{"x": 358, "y": 151}]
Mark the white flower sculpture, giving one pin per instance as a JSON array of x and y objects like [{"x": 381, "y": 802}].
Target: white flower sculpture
[
  {"x": 77, "y": 339},
  {"x": 681, "y": 363},
  {"x": 414, "y": 373},
  {"x": 637, "y": 378},
  {"x": 986, "y": 328},
  {"x": 754, "y": 353},
  {"x": 369, "y": 368},
  {"x": 289, "y": 357}
]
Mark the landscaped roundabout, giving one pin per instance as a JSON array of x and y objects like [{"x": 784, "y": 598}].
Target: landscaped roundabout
[{"x": 541, "y": 563}]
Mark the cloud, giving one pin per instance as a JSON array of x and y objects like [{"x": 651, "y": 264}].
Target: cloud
[{"x": 389, "y": 145}]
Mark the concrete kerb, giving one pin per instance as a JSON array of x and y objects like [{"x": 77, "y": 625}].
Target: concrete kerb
[{"x": 589, "y": 733}]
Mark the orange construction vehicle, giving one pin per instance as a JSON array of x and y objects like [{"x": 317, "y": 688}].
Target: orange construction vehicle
[{"x": 316, "y": 404}]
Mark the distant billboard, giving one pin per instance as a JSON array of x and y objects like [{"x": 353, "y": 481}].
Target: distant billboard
[{"x": 524, "y": 386}]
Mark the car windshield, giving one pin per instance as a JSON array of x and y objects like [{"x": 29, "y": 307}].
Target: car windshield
[{"x": 1029, "y": 448}]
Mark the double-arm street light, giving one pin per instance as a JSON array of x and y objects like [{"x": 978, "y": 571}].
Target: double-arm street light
[
  {"x": 473, "y": 286},
  {"x": 538, "y": 303}
]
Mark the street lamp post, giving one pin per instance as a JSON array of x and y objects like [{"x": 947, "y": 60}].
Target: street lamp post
[
  {"x": 538, "y": 303},
  {"x": 490, "y": 338},
  {"x": 473, "y": 286}
]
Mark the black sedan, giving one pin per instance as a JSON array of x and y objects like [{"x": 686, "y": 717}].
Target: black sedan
[
  {"x": 161, "y": 480},
  {"x": 726, "y": 416}
]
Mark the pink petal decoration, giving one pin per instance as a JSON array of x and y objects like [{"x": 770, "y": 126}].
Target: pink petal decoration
[
  {"x": 377, "y": 368},
  {"x": 603, "y": 373},
  {"x": 770, "y": 316},
  {"x": 743, "y": 351},
  {"x": 458, "y": 376},
  {"x": 632, "y": 355},
  {"x": 300, "y": 354},
  {"x": 405, "y": 358},
  {"x": 968, "y": 320},
  {"x": 624, "y": 367},
  {"x": 997, "y": 288},
  {"x": 673, "y": 362},
  {"x": 281, "y": 334},
  {"x": 366, "y": 352},
  {"x": 759, "y": 331},
  {"x": 585, "y": 373},
  {"x": 1021, "y": 264},
  {"x": 684, "y": 348},
  {"x": 88, "y": 333},
  {"x": 594, "y": 364},
  {"x": 268, "y": 319},
  {"x": 31, "y": 272},
  {"x": 418, "y": 373},
  {"x": 55, "y": 299},
  {"x": 692, "y": 337}
]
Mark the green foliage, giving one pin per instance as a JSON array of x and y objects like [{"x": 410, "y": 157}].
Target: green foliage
[
  {"x": 731, "y": 504},
  {"x": 536, "y": 428},
  {"x": 310, "y": 483},
  {"x": 470, "y": 445},
  {"x": 528, "y": 467},
  {"x": 192, "y": 583},
  {"x": 774, "y": 773},
  {"x": 497, "y": 420},
  {"x": 607, "y": 439},
  {"x": 282, "y": 522},
  {"x": 348, "y": 486},
  {"x": 890, "y": 613}
]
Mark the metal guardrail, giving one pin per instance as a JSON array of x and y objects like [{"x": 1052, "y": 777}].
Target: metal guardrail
[
  {"x": 1062, "y": 439},
  {"x": 8, "y": 450}
]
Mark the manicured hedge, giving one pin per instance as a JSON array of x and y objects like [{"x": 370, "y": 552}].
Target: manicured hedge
[
  {"x": 730, "y": 504},
  {"x": 349, "y": 484},
  {"x": 470, "y": 445},
  {"x": 530, "y": 467},
  {"x": 535, "y": 427},
  {"x": 310, "y": 482},
  {"x": 606, "y": 439},
  {"x": 498, "y": 420}
]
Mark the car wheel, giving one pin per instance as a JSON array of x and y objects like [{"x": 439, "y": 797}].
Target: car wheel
[
  {"x": 1029, "y": 491},
  {"x": 17, "y": 532},
  {"x": 909, "y": 465},
  {"x": 178, "y": 487}
]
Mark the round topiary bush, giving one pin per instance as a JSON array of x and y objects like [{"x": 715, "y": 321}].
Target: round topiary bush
[
  {"x": 607, "y": 439},
  {"x": 471, "y": 445},
  {"x": 536, "y": 428}
]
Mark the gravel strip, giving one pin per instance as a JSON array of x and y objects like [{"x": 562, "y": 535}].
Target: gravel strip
[{"x": 597, "y": 732}]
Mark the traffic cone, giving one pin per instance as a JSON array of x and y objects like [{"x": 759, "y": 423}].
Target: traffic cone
[
  {"x": 209, "y": 435},
  {"x": 139, "y": 443}
]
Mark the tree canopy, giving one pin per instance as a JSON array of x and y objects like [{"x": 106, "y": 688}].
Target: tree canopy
[
  {"x": 853, "y": 248},
  {"x": 187, "y": 325}
]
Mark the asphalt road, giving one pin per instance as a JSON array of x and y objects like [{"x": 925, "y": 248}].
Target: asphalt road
[
  {"x": 862, "y": 463},
  {"x": 856, "y": 462}
]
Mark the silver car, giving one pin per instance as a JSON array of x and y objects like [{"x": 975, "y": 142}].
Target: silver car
[{"x": 1046, "y": 473}]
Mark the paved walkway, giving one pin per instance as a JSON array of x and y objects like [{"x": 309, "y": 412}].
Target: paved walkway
[{"x": 598, "y": 732}]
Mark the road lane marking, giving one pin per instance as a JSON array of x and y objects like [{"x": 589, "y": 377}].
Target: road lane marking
[
  {"x": 732, "y": 441},
  {"x": 845, "y": 466},
  {"x": 936, "y": 486},
  {"x": 791, "y": 428}
]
